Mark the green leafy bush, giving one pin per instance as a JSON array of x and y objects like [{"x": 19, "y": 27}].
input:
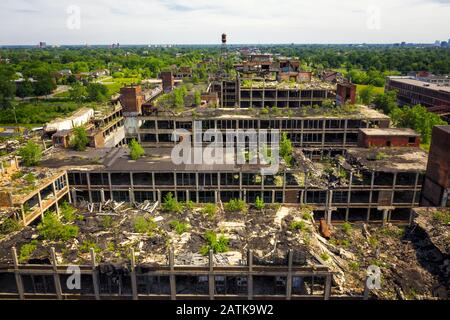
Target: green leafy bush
[
  {"x": 298, "y": 225},
  {"x": 136, "y": 150},
  {"x": 142, "y": 225},
  {"x": 68, "y": 212},
  {"x": 214, "y": 243},
  {"x": 80, "y": 139},
  {"x": 347, "y": 228},
  {"x": 171, "y": 204},
  {"x": 259, "y": 203},
  {"x": 8, "y": 226},
  {"x": 236, "y": 205},
  {"x": 53, "y": 229},
  {"x": 31, "y": 154},
  {"x": 87, "y": 245},
  {"x": 209, "y": 210},
  {"x": 27, "y": 250},
  {"x": 179, "y": 226}
]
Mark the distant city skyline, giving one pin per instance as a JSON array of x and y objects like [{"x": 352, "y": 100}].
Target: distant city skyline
[{"x": 103, "y": 22}]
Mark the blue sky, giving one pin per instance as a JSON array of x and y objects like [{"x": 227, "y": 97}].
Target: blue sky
[{"x": 202, "y": 21}]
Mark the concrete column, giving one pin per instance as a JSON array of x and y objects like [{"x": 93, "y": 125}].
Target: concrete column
[
  {"x": 211, "y": 280},
  {"x": 289, "y": 276},
  {"x": 133, "y": 275},
  {"x": 131, "y": 194},
  {"x": 385, "y": 216},
  {"x": 95, "y": 279},
  {"x": 73, "y": 193},
  {"x": 55, "y": 194},
  {"x": 40, "y": 204},
  {"x": 55, "y": 274},
  {"x": 327, "y": 292},
  {"x": 17, "y": 275},
  {"x": 173, "y": 287},
  {"x": 250, "y": 275},
  {"x": 102, "y": 195}
]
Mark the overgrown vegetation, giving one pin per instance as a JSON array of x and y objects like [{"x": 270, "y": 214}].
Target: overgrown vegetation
[
  {"x": 31, "y": 154},
  {"x": 8, "y": 226},
  {"x": 217, "y": 244},
  {"x": 236, "y": 205},
  {"x": 259, "y": 203},
  {"x": 27, "y": 250},
  {"x": 179, "y": 227},
  {"x": 144, "y": 225},
  {"x": 209, "y": 209},
  {"x": 54, "y": 230},
  {"x": 136, "y": 150},
  {"x": 80, "y": 139},
  {"x": 170, "y": 204}
]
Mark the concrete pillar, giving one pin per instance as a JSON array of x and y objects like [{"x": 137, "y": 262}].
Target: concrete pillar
[
  {"x": 73, "y": 192},
  {"x": 327, "y": 292},
  {"x": 289, "y": 276},
  {"x": 17, "y": 275},
  {"x": 173, "y": 287},
  {"x": 95, "y": 279},
  {"x": 102, "y": 195},
  {"x": 385, "y": 216},
  {"x": 250, "y": 275},
  {"x": 211, "y": 280},
  {"x": 329, "y": 213},
  {"x": 55, "y": 274},
  {"x": 133, "y": 275}
]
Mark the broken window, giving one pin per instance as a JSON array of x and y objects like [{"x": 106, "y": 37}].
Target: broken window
[
  {"x": 316, "y": 197},
  {"x": 120, "y": 179},
  {"x": 186, "y": 179},
  {"x": 164, "y": 179},
  {"x": 153, "y": 285},
  {"x": 196, "y": 285},
  {"x": 206, "y": 197},
  {"x": 7, "y": 283},
  {"x": 121, "y": 196},
  {"x": 142, "y": 179},
  {"x": 403, "y": 196},
  {"x": 269, "y": 285},
  {"x": 142, "y": 196},
  {"x": 77, "y": 178},
  {"x": 230, "y": 285},
  {"x": 406, "y": 179},
  {"x": 38, "y": 284},
  {"x": 99, "y": 179},
  {"x": 207, "y": 179}
]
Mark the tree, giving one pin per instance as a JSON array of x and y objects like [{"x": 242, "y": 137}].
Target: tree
[
  {"x": 286, "y": 149},
  {"x": 197, "y": 98},
  {"x": 259, "y": 203},
  {"x": 80, "y": 139},
  {"x": 25, "y": 89},
  {"x": 77, "y": 93},
  {"x": 367, "y": 94},
  {"x": 45, "y": 84},
  {"x": 97, "y": 92},
  {"x": 7, "y": 91},
  {"x": 136, "y": 150},
  {"x": 31, "y": 154}
]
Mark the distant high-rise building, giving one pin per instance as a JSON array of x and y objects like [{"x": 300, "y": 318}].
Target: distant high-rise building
[{"x": 42, "y": 45}]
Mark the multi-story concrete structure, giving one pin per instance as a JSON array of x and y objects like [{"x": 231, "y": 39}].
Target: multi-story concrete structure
[
  {"x": 435, "y": 97},
  {"x": 436, "y": 187},
  {"x": 318, "y": 131}
]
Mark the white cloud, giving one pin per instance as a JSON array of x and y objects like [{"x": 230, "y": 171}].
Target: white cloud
[{"x": 202, "y": 21}]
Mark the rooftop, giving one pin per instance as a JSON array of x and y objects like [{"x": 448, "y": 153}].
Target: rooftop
[
  {"x": 424, "y": 84},
  {"x": 314, "y": 84},
  {"x": 389, "y": 132},
  {"x": 389, "y": 159}
]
